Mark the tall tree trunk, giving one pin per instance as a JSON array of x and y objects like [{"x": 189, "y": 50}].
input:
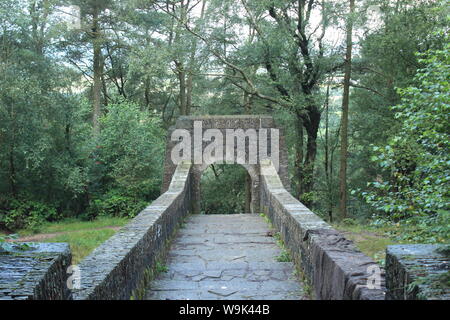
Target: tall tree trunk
[
  {"x": 181, "y": 73},
  {"x": 97, "y": 87},
  {"x": 189, "y": 84},
  {"x": 311, "y": 128},
  {"x": 147, "y": 94},
  {"x": 12, "y": 169},
  {"x": 298, "y": 162},
  {"x": 344, "y": 120},
  {"x": 11, "y": 151},
  {"x": 327, "y": 156}
]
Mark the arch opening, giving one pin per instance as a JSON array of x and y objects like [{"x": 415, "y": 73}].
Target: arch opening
[{"x": 225, "y": 189}]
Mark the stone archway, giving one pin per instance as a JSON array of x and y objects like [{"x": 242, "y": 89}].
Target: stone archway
[{"x": 268, "y": 135}]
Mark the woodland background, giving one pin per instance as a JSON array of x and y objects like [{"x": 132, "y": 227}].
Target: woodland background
[{"x": 360, "y": 87}]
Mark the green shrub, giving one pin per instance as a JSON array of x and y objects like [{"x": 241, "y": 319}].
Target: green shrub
[
  {"x": 349, "y": 222},
  {"x": 416, "y": 161},
  {"x": 26, "y": 214},
  {"x": 114, "y": 204}
]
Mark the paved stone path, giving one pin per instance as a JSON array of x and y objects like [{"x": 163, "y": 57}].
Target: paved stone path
[{"x": 225, "y": 257}]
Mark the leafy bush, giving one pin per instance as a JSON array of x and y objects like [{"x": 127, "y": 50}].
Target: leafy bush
[
  {"x": 416, "y": 160},
  {"x": 130, "y": 150},
  {"x": 26, "y": 214},
  {"x": 114, "y": 204},
  {"x": 349, "y": 222}
]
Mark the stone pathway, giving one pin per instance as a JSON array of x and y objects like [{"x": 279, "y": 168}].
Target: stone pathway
[{"x": 225, "y": 257}]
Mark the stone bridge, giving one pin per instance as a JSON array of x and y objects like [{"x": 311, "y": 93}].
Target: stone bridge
[
  {"x": 278, "y": 250},
  {"x": 228, "y": 256}
]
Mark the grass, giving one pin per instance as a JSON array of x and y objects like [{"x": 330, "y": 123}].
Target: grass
[
  {"x": 82, "y": 236},
  {"x": 370, "y": 240},
  {"x": 284, "y": 256},
  {"x": 161, "y": 268},
  {"x": 83, "y": 242},
  {"x": 68, "y": 225}
]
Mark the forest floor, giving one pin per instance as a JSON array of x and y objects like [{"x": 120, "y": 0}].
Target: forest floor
[{"x": 82, "y": 236}]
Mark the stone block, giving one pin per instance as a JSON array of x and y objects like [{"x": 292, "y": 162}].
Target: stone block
[
  {"x": 418, "y": 271},
  {"x": 37, "y": 273}
]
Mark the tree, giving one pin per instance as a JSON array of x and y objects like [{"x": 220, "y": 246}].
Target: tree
[
  {"x": 287, "y": 43},
  {"x": 38, "y": 123},
  {"x": 416, "y": 159},
  {"x": 344, "y": 119},
  {"x": 95, "y": 18},
  {"x": 385, "y": 61}
]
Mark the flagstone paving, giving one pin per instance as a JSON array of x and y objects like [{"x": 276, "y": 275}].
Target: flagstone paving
[{"x": 216, "y": 257}]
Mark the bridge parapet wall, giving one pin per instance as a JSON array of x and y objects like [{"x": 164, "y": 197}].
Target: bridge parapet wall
[
  {"x": 116, "y": 268},
  {"x": 333, "y": 265}
]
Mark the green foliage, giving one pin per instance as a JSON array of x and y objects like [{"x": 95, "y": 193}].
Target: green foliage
[
  {"x": 387, "y": 61},
  {"x": 416, "y": 159},
  {"x": 5, "y": 245},
  {"x": 114, "y": 204},
  {"x": 284, "y": 256},
  {"x": 161, "y": 268},
  {"x": 20, "y": 214},
  {"x": 349, "y": 222},
  {"x": 223, "y": 190},
  {"x": 130, "y": 150},
  {"x": 51, "y": 161}
]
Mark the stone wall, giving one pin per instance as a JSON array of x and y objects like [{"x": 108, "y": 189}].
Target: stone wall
[
  {"x": 334, "y": 267},
  {"x": 116, "y": 268},
  {"x": 418, "y": 271},
  {"x": 38, "y": 273}
]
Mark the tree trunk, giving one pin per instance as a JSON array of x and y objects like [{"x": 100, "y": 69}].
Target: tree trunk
[
  {"x": 12, "y": 171},
  {"x": 11, "y": 163},
  {"x": 298, "y": 162},
  {"x": 97, "y": 87},
  {"x": 311, "y": 125},
  {"x": 189, "y": 84},
  {"x": 182, "y": 83},
  {"x": 327, "y": 156},
  {"x": 344, "y": 120}
]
